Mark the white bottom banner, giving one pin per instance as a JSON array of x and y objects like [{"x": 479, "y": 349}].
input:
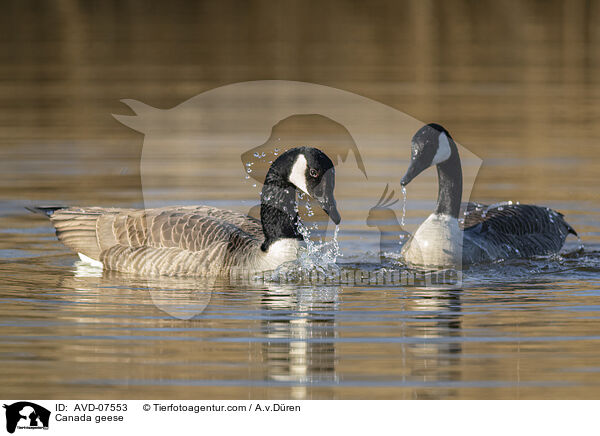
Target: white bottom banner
[{"x": 159, "y": 417}]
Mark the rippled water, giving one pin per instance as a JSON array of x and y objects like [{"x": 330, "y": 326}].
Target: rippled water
[
  {"x": 524, "y": 98},
  {"x": 519, "y": 329}
]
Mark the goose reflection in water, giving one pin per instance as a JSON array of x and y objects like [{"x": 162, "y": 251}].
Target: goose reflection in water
[
  {"x": 305, "y": 341},
  {"x": 300, "y": 331},
  {"x": 293, "y": 338},
  {"x": 434, "y": 355}
]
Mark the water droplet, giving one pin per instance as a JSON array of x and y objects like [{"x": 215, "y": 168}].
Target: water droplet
[
  {"x": 254, "y": 185},
  {"x": 256, "y": 154},
  {"x": 319, "y": 255},
  {"x": 404, "y": 194}
]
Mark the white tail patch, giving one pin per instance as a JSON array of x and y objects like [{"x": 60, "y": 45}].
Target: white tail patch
[
  {"x": 90, "y": 261},
  {"x": 443, "y": 152}
]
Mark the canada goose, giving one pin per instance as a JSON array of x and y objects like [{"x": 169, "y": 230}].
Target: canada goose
[
  {"x": 308, "y": 129},
  {"x": 203, "y": 240},
  {"x": 488, "y": 233}
]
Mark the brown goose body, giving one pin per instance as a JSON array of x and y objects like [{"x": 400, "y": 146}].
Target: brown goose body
[
  {"x": 184, "y": 240},
  {"x": 203, "y": 240}
]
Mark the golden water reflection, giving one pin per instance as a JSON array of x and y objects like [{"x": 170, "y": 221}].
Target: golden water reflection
[{"x": 516, "y": 83}]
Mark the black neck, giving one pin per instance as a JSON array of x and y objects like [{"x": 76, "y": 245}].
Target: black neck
[
  {"x": 450, "y": 184},
  {"x": 278, "y": 210}
]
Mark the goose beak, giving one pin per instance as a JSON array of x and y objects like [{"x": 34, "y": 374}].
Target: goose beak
[
  {"x": 323, "y": 193},
  {"x": 414, "y": 169},
  {"x": 334, "y": 215},
  {"x": 330, "y": 207}
]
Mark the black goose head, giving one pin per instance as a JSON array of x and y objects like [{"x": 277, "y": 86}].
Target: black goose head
[
  {"x": 431, "y": 145},
  {"x": 311, "y": 171}
]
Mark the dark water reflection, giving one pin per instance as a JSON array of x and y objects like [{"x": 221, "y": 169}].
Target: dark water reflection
[{"x": 516, "y": 83}]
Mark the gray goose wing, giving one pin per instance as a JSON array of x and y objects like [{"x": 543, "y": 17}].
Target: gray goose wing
[
  {"x": 190, "y": 240},
  {"x": 507, "y": 230}
]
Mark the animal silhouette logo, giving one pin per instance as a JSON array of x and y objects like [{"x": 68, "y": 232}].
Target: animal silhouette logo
[
  {"x": 392, "y": 235},
  {"x": 313, "y": 130},
  {"x": 192, "y": 153},
  {"x": 26, "y": 415}
]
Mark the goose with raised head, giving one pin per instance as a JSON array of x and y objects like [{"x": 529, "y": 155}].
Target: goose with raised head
[
  {"x": 483, "y": 233},
  {"x": 203, "y": 240}
]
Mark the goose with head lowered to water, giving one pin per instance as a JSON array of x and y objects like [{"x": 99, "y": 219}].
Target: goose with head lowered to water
[
  {"x": 203, "y": 240},
  {"x": 488, "y": 233}
]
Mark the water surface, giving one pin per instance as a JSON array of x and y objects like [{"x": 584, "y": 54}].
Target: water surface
[{"x": 515, "y": 85}]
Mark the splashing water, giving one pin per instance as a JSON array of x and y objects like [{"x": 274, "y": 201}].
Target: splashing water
[
  {"x": 248, "y": 169},
  {"x": 318, "y": 253},
  {"x": 581, "y": 247},
  {"x": 316, "y": 257},
  {"x": 404, "y": 195},
  {"x": 309, "y": 211}
]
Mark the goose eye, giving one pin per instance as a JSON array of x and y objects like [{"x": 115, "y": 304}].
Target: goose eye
[{"x": 313, "y": 172}]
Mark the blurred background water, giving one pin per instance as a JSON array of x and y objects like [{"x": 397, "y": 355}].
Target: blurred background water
[{"x": 516, "y": 82}]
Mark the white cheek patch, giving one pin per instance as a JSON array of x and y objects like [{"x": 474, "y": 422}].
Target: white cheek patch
[
  {"x": 443, "y": 151},
  {"x": 298, "y": 173}
]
